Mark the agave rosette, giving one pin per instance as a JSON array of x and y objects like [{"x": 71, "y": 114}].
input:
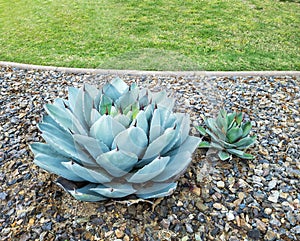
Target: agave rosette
[
  {"x": 229, "y": 135},
  {"x": 115, "y": 141}
]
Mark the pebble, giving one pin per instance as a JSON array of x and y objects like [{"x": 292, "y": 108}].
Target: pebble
[
  {"x": 218, "y": 206},
  {"x": 230, "y": 216},
  {"x": 254, "y": 234},
  {"x": 119, "y": 233},
  {"x": 165, "y": 223},
  {"x": 189, "y": 228},
  {"x": 268, "y": 211},
  {"x": 272, "y": 184},
  {"x": 270, "y": 236},
  {"x": 261, "y": 225},
  {"x": 274, "y": 196},
  {"x": 220, "y": 184}
]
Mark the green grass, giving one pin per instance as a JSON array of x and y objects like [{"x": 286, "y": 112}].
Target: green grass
[{"x": 152, "y": 35}]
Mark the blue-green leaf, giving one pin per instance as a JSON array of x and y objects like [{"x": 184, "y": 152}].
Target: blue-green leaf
[
  {"x": 65, "y": 119},
  {"x": 176, "y": 166},
  {"x": 183, "y": 123},
  {"x": 155, "y": 148},
  {"x": 115, "y": 89},
  {"x": 123, "y": 119},
  {"x": 95, "y": 115},
  {"x": 105, "y": 105},
  {"x": 106, "y": 129},
  {"x": 222, "y": 122},
  {"x": 245, "y": 143},
  {"x": 92, "y": 145},
  {"x": 128, "y": 99},
  {"x": 132, "y": 140},
  {"x": 39, "y": 147},
  {"x": 234, "y": 134},
  {"x": 149, "y": 171},
  {"x": 157, "y": 190},
  {"x": 85, "y": 194},
  {"x": 114, "y": 190},
  {"x": 246, "y": 128},
  {"x": 60, "y": 140},
  {"x": 87, "y": 106},
  {"x": 95, "y": 175},
  {"x": 211, "y": 123},
  {"x": 144, "y": 96},
  {"x": 51, "y": 161},
  {"x": 223, "y": 155},
  {"x": 190, "y": 145},
  {"x": 217, "y": 146},
  {"x": 201, "y": 130},
  {"x": 239, "y": 118},
  {"x": 92, "y": 90},
  {"x": 72, "y": 97},
  {"x": 142, "y": 122},
  {"x": 117, "y": 162},
  {"x": 230, "y": 120},
  {"x": 240, "y": 154},
  {"x": 204, "y": 144},
  {"x": 156, "y": 128}
]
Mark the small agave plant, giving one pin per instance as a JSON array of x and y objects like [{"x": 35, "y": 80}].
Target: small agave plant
[
  {"x": 229, "y": 135},
  {"x": 115, "y": 142}
]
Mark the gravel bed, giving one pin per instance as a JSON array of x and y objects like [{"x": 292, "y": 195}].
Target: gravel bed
[{"x": 234, "y": 200}]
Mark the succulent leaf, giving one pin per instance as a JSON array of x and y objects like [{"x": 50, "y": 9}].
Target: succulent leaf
[
  {"x": 223, "y": 155},
  {"x": 61, "y": 141},
  {"x": 239, "y": 118},
  {"x": 201, "y": 129},
  {"x": 113, "y": 190},
  {"x": 150, "y": 170},
  {"x": 204, "y": 144},
  {"x": 95, "y": 175},
  {"x": 106, "y": 129},
  {"x": 155, "y": 148},
  {"x": 234, "y": 134},
  {"x": 157, "y": 190},
  {"x": 65, "y": 118},
  {"x": 93, "y": 146},
  {"x": 72, "y": 97},
  {"x": 87, "y": 106},
  {"x": 191, "y": 143},
  {"x": 132, "y": 140},
  {"x": 142, "y": 122},
  {"x": 85, "y": 194},
  {"x": 51, "y": 161},
  {"x": 105, "y": 105},
  {"x": 183, "y": 123},
  {"x": 156, "y": 128},
  {"x": 175, "y": 166},
  {"x": 245, "y": 143},
  {"x": 246, "y": 127},
  {"x": 117, "y": 163},
  {"x": 95, "y": 115},
  {"x": 115, "y": 89},
  {"x": 231, "y": 119}
]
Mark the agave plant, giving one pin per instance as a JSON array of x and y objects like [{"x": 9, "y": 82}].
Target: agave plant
[
  {"x": 229, "y": 135},
  {"x": 115, "y": 141}
]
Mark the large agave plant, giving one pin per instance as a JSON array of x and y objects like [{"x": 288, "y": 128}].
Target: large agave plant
[
  {"x": 115, "y": 142},
  {"x": 229, "y": 135}
]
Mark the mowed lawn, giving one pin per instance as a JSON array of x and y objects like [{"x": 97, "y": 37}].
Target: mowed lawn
[{"x": 152, "y": 35}]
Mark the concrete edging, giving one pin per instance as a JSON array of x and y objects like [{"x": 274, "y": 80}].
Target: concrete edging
[{"x": 155, "y": 73}]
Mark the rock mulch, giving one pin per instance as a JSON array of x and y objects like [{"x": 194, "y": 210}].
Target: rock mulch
[{"x": 215, "y": 200}]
